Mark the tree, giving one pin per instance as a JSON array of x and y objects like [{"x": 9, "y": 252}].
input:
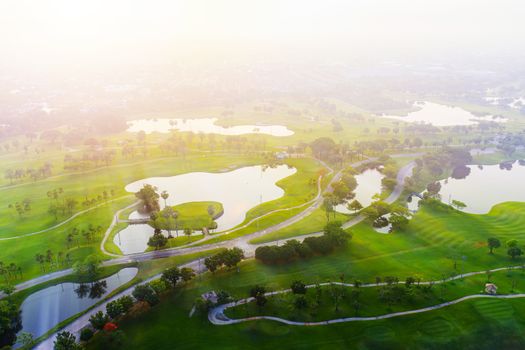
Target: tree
[
  {"x": 171, "y": 276},
  {"x": 165, "y": 196},
  {"x": 158, "y": 240},
  {"x": 114, "y": 309},
  {"x": 87, "y": 268},
  {"x": 512, "y": 243},
  {"x": 144, "y": 292},
  {"x": 258, "y": 293},
  {"x": 298, "y": 287},
  {"x": 187, "y": 274},
  {"x": 149, "y": 198},
  {"x": 212, "y": 263},
  {"x": 98, "y": 320},
  {"x": 355, "y": 206},
  {"x": 231, "y": 257},
  {"x": 66, "y": 341},
  {"x": 514, "y": 252},
  {"x": 25, "y": 339},
  {"x": 493, "y": 243},
  {"x": 126, "y": 302},
  {"x": 329, "y": 205},
  {"x": 188, "y": 231},
  {"x": 10, "y": 322}
]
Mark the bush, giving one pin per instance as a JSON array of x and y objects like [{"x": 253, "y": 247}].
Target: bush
[
  {"x": 114, "y": 309},
  {"x": 86, "y": 334},
  {"x": 126, "y": 302},
  {"x": 145, "y": 292},
  {"x": 98, "y": 320},
  {"x": 333, "y": 236},
  {"x": 159, "y": 286},
  {"x": 229, "y": 258}
]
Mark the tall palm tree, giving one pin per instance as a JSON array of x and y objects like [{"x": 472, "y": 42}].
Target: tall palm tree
[{"x": 165, "y": 196}]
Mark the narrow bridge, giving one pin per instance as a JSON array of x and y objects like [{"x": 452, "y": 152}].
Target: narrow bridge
[
  {"x": 419, "y": 195},
  {"x": 135, "y": 221}
]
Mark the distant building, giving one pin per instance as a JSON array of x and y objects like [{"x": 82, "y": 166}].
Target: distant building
[
  {"x": 491, "y": 288},
  {"x": 281, "y": 155}
]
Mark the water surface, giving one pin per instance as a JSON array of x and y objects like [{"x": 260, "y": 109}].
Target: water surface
[
  {"x": 205, "y": 126},
  {"x": 368, "y": 184},
  {"x": 44, "y": 309},
  {"x": 442, "y": 115},
  {"x": 238, "y": 191},
  {"x": 484, "y": 187}
]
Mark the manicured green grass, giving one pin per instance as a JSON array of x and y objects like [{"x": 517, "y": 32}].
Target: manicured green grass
[
  {"x": 436, "y": 243},
  {"x": 455, "y": 327},
  {"x": 192, "y": 215},
  {"x": 369, "y": 301},
  {"x": 312, "y": 223},
  {"x": 93, "y": 183},
  {"x": 22, "y": 251}
]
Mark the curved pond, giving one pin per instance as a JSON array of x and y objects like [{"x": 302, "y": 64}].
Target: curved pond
[
  {"x": 238, "y": 191},
  {"x": 368, "y": 184},
  {"x": 484, "y": 187},
  {"x": 442, "y": 115},
  {"x": 204, "y": 125},
  {"x": 44, "y": 309}
]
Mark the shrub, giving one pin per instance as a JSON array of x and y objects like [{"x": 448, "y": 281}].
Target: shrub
[
  {"x": 114, "y": 309},
  {"x": 98, "y": 320},
  {"x": 86, "y": 334}
]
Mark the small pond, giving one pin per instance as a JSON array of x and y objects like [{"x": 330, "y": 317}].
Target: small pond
[
  {"x": 238, "y": 191},
  {"x": 484, "y": 187},
  {"x": 442, "y": 115},
  {"x": 368, "y": 184},
  {"x": 204, "y": 125},
  {"x": 44, "y": 309}
]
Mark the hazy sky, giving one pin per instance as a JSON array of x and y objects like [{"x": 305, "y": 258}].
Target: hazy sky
[{"x": 87, "y": 31}]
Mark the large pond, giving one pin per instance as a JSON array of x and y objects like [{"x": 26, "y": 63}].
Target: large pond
[
  {"x": 44, "y": 309},
  {"x": 442, "y": 115},
  {"x": 484, "y": 187},
  {"x": 206, "y": 126},
  {"x": 238, "y": 191},
  {"x": 368, "y": 184}
]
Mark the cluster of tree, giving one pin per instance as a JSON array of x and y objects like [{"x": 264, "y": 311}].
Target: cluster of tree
[
  {"x": 228, "y": 258},
  {"x": 392, "y": 292},
  {"x": 149, "y": 199},
  {"x": 102, "y": 197},
  {"x": 21, "y": 208},
  {"x": 398, "y": 218},
  {"x": 143, "y": 296},
  {"x": 510, "y": 142},
  {"x": 34, "y": 174},
  {"x": 60, "y": 205},
  {"x": 325, "y": 149},
  {"x": 89, "y": 160},
  {"x": 10, "y": 271},
  {"x": 52, "y": 260},
  {"x": 88, "y": 268},
  {"x": 88, "y": 233},
  {"x": 333, "y": 237},
  {"x": 10, "y": 321},
  {"x": 513, "y": 249}
]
